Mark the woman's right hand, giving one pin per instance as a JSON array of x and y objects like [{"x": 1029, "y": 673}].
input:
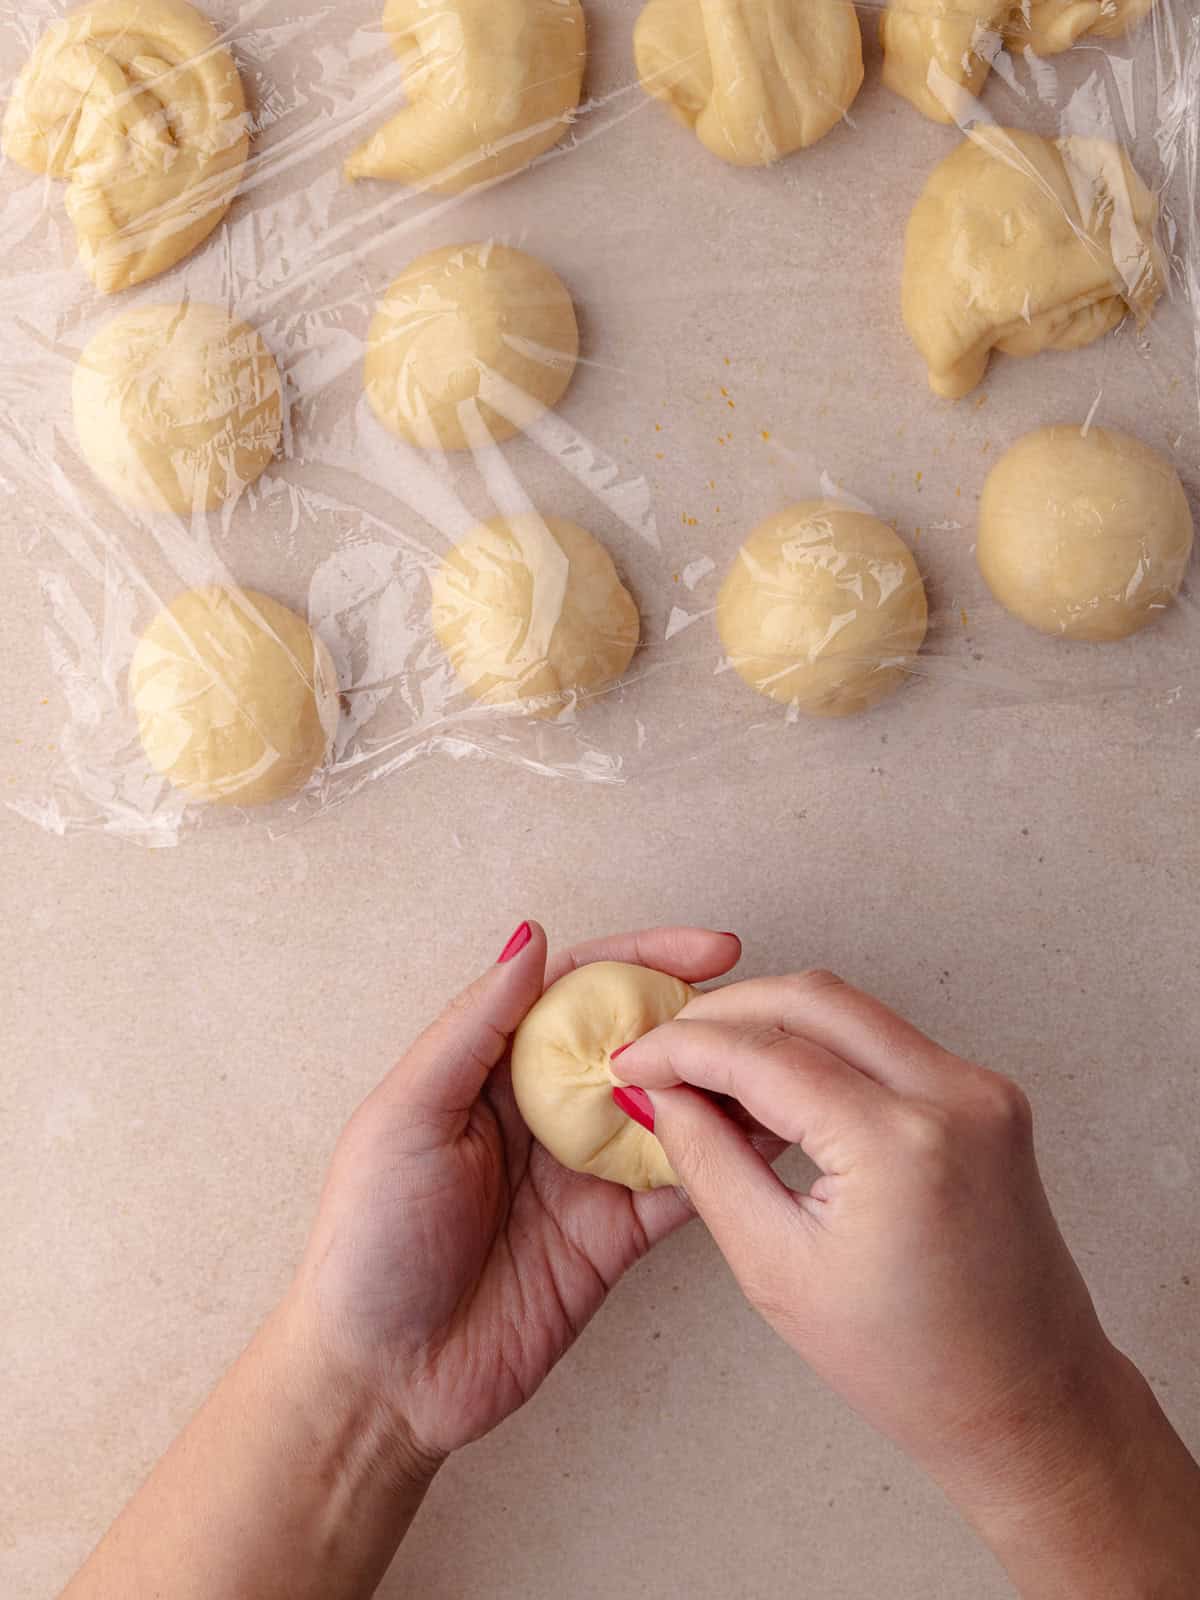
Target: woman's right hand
[{"x": 923, "y": 1275}]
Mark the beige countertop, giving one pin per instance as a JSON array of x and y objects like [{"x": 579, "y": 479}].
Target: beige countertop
[{"x": 186, "y": 1030}]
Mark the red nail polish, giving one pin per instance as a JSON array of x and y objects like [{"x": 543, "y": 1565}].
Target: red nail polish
[
  {"x": 636, "y": 1103},
  {"x": 620, "y": 1050},
  {"x": 516, "y": 944},
  {"x": 726, "y": 933}
]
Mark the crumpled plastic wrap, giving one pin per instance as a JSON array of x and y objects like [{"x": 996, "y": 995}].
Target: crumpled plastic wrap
[{"x": 441, "y": 330}]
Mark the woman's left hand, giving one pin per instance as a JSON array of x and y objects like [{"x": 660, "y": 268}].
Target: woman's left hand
[{"x": 453, "y": 1261}]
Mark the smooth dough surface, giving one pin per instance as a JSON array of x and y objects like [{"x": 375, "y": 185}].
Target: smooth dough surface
[
  {"x": 469, "y": 344},
  {"x": 1084, "y": 533},
  {"x": 236, "y": 698},
  {"x": 531, "y": 612},
  {"x": 491, "y": 85},
  {"x": 754, "y": 79},
  {"x": 1023, "y": 244},
  {"x": 563, "y": 1077},
  {"x": 823, "y": 610},
  {"x": 177, "y": 408},
  {"x": 938, "y": 53},
  {"x": 138, "y": 105}
]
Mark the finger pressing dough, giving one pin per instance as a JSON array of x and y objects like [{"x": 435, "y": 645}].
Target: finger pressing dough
[
  {"x": 138, "y": 105},
  {"x": 531, "y": 612},
  {"x": 936, "y": 52},
  {"x": 470, "y": 343},
  {"x": 1084, "y": 532},
  {"x": 236, "y": 698},
  {"x": 823, "y": 610},
  {"x": 491, "y": 85},
  {"x": 754, "y": 79},
  {"x": 177, "y": 408},
  {"x": 562, "y": 1071},
  {"x": 1024, "y": 244}
]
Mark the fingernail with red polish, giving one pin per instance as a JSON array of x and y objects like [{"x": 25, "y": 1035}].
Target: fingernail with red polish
[
  {"x": 727, "y": 933},
  {"x": 516, "y": 944},
  {"x": 620, "y": 1050},
  {"x": 636, "y": 1103}
]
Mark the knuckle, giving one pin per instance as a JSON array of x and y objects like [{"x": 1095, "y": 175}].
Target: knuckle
[
  {"x": 1004, "y": 1108},
  {"x": 924, "y": 1129},
  {"x": 817, "y": 980}
]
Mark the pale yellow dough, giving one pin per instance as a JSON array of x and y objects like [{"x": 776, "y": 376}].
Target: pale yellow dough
[
  {"x": 491, "y": 85},
  {"x": 1023, "y": 244},
  {"x": 823, "y": 610},
  {"x": 754, "y": 79},
  {"x": 470, "y": 344},
  {"x": 531, "y": 612},
  {"x": 1084, "y": 532},
  {"x": 138, "y": 105},
  {"x": 177, "y": 408},
  {"x": 236, "y": 698},
  {"x": 563, "y": 1075},
  {"x": 937, "y": 53}
]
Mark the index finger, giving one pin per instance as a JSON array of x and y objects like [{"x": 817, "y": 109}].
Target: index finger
[
  {"x": 820, "y": 1007},
  {"x": 793, "y": 1087},
  {"x": 693, "y": 954}
]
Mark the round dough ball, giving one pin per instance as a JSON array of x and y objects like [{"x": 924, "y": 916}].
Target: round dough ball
[
  {"x": 470, "y": 342},
  {"x": 754, "y": 81},
  {"x": 562, "y": 1072},
  {"x": 531, "y": 612},
  {"x": 490, "y": 86},
  {"x": 1084, "y": 532},
  {"x": 823, "y": 610},
  {"x": 236, "y": 698},
  {"x": 1023, "y": 244},
  {"x": 177, "y": 407}
]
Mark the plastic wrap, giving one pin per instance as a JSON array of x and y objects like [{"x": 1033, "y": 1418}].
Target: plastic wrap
[{"x": 403, "y": 299}]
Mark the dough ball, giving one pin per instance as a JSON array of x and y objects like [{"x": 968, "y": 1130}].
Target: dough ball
[
  {"x": 936, "y": 53},
  {"x": 177, "y": 408},
  {"x": 754, "y": 79},
  {"x": 491, "y": 85},
  {"x": 1084, "y": 533},
  {"x": 236, "y": 698},
  {"x": 823, "y": 610},
  {"x": 138, "y": 105},
  {"x": 470, "y": 342},
  {"x": 531, "y": 612},
  {"x": 1023, "y": 244},
  {"x": 562, "y": 1072}
]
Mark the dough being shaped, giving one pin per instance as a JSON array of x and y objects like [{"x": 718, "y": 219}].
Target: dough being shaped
[
  {"x": 938, "y": 53},
  {"x": 562, "y": 1071},
  {"x": 754, "y": 79},
  {"x": 177, "y": 408},
  {"x": 1084, "y": 532},
  {"x": 491, "y": 85},
  {"x": 138, "y": 105},
  {"x": 1023, "y": 244},
  {"x": 823, "y": 610},
  {"x": 470, "y": 343},
  {"x": 531, "y": 613},
  {"x": 236, "y": 698}
]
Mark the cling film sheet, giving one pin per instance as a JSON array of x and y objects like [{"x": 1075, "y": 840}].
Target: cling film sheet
[{"x": 591, "y": 386}]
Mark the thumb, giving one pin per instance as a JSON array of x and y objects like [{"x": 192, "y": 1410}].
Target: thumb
[
  {"x": 751, "y": 1213},
  {"x": 440, "y": 1077}
]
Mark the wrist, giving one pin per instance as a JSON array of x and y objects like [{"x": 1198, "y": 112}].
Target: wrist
[
  {"x": 363, "y": 1447},
  {"x": 1092, "y": 1492}
]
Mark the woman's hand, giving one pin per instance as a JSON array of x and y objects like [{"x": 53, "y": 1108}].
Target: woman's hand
[
  {"x": 453, "y": 1261},
  {"x": 923, "y": 1275}
]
